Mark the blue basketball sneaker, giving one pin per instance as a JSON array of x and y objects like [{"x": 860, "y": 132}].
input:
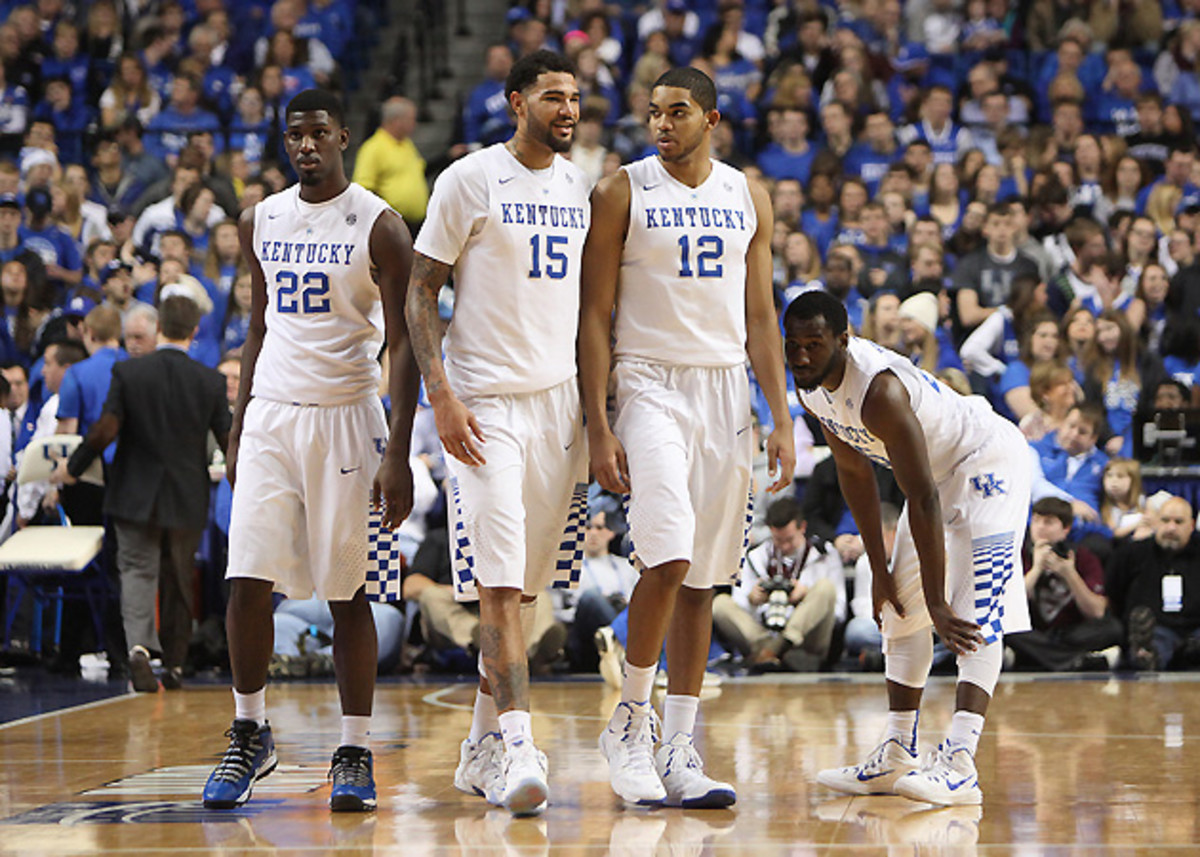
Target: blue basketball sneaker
[
  {"x": 249, "y": 757},
  {"x": 353, "y": 780}
]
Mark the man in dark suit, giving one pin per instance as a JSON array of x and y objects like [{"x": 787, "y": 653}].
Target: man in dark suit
[{"x": 160, "y": 409}]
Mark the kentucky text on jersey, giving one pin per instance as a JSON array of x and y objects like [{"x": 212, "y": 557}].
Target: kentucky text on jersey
[
  {"x": 673, "y": 217},
  {"x": 540, "y": 214},
  {"x": 859, "y": 439},
  {"x": 308, "y": 253}
]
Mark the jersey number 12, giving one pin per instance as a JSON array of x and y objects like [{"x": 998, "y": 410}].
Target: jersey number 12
[{"x": 709, "y": 249}]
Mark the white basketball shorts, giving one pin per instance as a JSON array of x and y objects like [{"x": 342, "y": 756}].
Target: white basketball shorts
[
  {"x": 304, "y": 475},
  {"x": 689, "y": 439},
  {"x": 517, "y": 521},
  {"x": 985, "y": 507}
]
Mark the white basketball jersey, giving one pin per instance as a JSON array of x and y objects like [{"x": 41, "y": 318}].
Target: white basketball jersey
[
  {"x": 324, "y": 314},
  {"x": 955, "y": 426},
  {"x": 515, "y": 238},
  {"x": 681, "y": 298}
]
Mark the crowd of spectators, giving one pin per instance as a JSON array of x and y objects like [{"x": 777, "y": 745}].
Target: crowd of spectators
[{"x": 1008, "y": 193}]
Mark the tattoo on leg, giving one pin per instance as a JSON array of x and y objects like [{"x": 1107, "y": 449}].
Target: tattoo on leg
[{"x": 509, "y": 680}]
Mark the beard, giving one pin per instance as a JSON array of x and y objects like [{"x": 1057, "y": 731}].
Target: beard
[
  {"x": 544, "y": 134},
  {"x": 818, "y": 378}
]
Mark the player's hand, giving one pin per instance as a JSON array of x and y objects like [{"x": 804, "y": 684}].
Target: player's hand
[
  {"x": 609, "y": 465},
  {"x": 781, "y": 457},
  {"x": 459, "y": 431},
  {"x": 958, "y": 635},
  {"x": 883, "y": 591},
  {"x": 392, "y": 491}
]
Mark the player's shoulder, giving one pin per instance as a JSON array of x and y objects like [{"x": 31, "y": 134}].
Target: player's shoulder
[{"x": 474, "y": 166}]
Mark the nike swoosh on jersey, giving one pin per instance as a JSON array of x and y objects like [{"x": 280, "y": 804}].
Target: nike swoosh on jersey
[
  {"x": 649, "y": 186},
  {"x": 346, "y": 470},
  {"x": 507, "y": 180},
  {"x": 272, "y": 216}
]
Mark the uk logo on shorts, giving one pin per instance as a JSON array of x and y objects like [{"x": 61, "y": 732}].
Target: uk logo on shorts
[{"x": 988, "y": 485}]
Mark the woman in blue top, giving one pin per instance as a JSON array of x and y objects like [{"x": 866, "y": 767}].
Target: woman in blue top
[
  {"x": 1113, "y": 364},
  {"x": 1041, "y": 343},
  {"x": 1147, "y": 313}
]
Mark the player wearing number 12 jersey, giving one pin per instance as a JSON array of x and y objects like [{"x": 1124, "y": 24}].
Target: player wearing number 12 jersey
[
  {"x": 328, "y": 263},
  {"x": 510, "y": 220},
  {"x": 680, "y": 246}
]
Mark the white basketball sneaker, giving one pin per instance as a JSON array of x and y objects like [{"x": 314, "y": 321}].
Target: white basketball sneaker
[
  {"x": 481, "y": 768},
  {"x": 525, "y": 787},
  {"x": 948, "y": 778},
  {"x": 682, "y": 772},
  {"x": 628, "y": 745},
  {"x": 887, "y": 763}
]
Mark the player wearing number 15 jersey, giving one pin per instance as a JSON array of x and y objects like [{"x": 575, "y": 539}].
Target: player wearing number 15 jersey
[
  {"x": 510, "y": 220},
  {"x": 680, "y": 246},
  {"x": 328, "y": 263}
]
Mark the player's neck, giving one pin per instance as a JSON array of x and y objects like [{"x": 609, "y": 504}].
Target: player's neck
[
  {"x": 325, "y": 190},
  {"x": 692, "y": 170},
  {"x": 532, "y": 155},
  {"x": 834, "y": 379}
]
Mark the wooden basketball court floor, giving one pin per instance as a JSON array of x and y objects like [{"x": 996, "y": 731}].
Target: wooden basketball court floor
[{"x": 1068, "y": 766}]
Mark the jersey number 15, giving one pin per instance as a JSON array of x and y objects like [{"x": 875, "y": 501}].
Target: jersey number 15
[{"x": 314, "y": 299}]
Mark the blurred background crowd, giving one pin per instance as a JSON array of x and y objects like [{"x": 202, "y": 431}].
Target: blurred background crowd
[{"x": 1006, "y": 192}]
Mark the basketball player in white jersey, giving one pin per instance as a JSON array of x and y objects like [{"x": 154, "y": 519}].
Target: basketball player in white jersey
[
  {"x": 510, "y": 220},
  {"x": 964, "y": 473},
  {"x": 309, "y": 443},
  {"x": 680, "y": 247}
]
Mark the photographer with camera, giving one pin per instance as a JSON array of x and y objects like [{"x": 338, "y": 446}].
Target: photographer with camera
[
  {"x": 791, "y": 597},
  {"x": 1072, "y": 628}
]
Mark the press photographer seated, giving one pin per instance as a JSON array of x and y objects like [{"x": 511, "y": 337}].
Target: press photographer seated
[
  {"x": 790, "y": 599},
  {"x": 1064, "y": 583}
]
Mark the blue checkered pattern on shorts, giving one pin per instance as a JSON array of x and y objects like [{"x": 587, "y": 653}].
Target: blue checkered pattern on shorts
[
  {"x": 569, "y": 564},
  {"x": 463, "y": 558},
  {"x": 746, "y": 526},
  {"x": 993, "y": 561},
  {"x": 383, "y": 560}
]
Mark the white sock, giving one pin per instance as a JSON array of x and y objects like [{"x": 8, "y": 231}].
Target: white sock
[
  {"x": 639, "y": 681},
  {"x": 902, "y": 725},
  {"x": 251, "y": 706},
  {"x": 679, "y": 715},
  {"x": 516, "y": 727},
  {"x": 355, "y": 729},
  {"x": 965, "y": 729},
  {"x": 484, "y": 718}
]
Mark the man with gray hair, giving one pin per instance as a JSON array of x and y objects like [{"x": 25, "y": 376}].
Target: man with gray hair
[
  {"x": 389, "y": 164},
  {"x": 141, "y": 330},
  {"x": 1154, "y": 586}
]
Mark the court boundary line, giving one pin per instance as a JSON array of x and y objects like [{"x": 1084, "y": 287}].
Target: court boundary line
[{"x": 83, "y": 706}]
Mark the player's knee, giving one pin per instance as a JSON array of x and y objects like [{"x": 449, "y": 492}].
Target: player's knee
[
  {"x": 909, "y": 659},
  {"x": 982, "y": 666}
]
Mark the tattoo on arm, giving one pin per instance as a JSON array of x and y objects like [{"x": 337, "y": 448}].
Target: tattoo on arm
[
  {"x": 428, "y": 276},
  {"x": 509, "y": 681}
]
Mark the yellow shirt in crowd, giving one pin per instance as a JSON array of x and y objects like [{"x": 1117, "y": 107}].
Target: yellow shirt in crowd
[{"x": 394, "y": 170}]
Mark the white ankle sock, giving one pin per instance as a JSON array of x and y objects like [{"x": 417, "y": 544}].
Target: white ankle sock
[
  {"x": 516, "y": 727},
  {"x": 679, "y": 715},
  {"x": 251, "y": 706},
  {"x": 902, "y": 725},
  {"x": 355, "y": 729},
  {"x": 639, "y": 681},
  {"x": 484, "y": 718},
  {"x": 965, "y": 729}
]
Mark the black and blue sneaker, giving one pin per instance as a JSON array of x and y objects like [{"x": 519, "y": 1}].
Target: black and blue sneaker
[
  {"x": 249, "y": 757},
  {"x": 353, "y": 778}
]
